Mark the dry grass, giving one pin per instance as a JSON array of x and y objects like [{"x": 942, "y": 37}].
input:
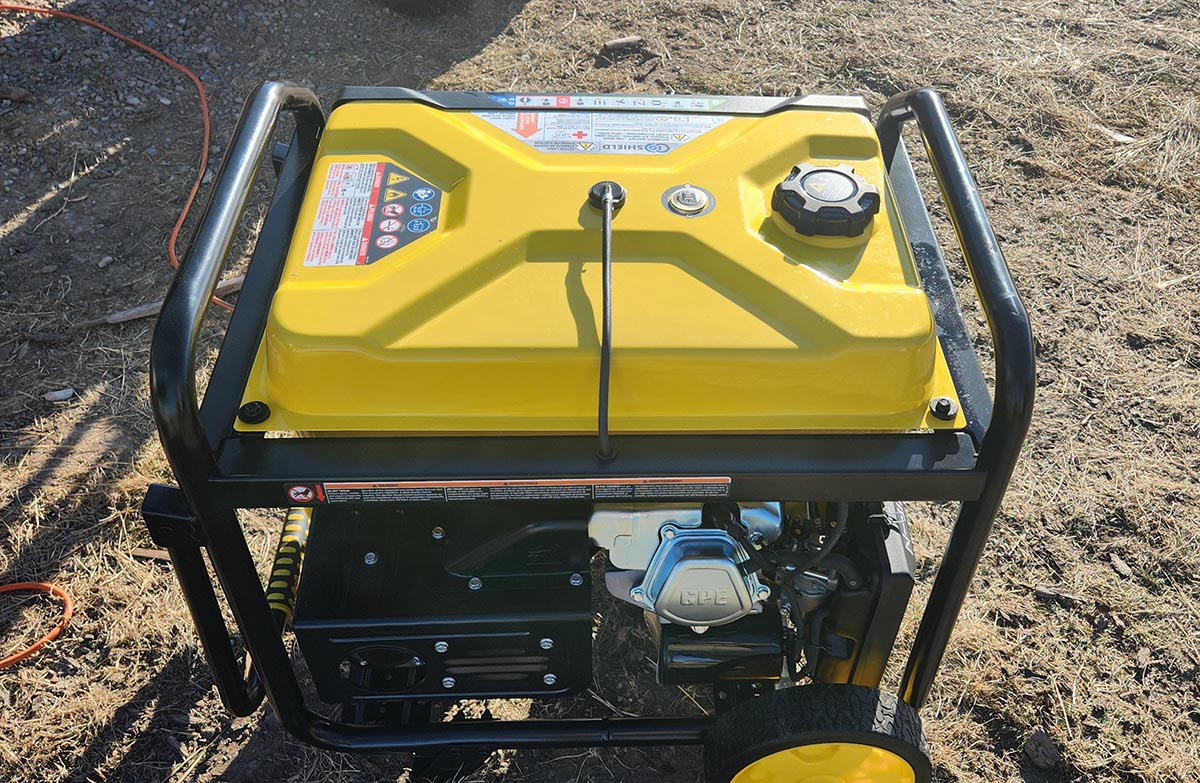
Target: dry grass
[{"x": 1082, "y": 121}]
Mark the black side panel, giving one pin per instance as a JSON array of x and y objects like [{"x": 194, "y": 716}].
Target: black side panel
[
  {"x": 871, "y": 618},
  {"x": 419, "y": 602}
]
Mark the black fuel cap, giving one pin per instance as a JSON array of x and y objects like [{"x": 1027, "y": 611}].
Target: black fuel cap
[{"x": 829, "y": 201}]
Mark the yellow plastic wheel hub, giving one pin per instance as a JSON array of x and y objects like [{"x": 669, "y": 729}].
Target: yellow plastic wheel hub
[{"x": 829, "y": 762}]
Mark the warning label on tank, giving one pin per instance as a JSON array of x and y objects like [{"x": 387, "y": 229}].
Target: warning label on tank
[
  {"x": 368, "y": 210},
  {"x": 526, "y": 489},
  {"x": 603, "y": 132}
]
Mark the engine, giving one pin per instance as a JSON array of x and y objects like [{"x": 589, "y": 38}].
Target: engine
[
  {"x": 495, "y": 600},
  {"x": 664, "y": 559}
]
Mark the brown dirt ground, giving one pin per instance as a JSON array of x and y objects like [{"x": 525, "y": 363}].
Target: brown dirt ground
[{"x": 1082, "y": 121}]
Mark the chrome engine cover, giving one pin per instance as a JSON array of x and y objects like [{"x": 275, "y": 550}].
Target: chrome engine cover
[
  {"x": 683, "y": 573},
  {"x": 694, "y": 579}
]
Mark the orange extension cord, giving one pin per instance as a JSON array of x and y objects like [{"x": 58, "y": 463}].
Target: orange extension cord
[
  {"x": 187, "y": 205},
  {"x": 68, "y": 610},
  {"x": 68, "y": 603}
]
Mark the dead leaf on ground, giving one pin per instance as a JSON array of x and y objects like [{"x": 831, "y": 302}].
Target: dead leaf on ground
[
  {"x": 1051, "y": 593},
  {"x": 1119, "y": 565}
]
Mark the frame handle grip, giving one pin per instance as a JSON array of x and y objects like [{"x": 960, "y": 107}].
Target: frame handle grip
[
  {"x": 173, "y": 352},
  {"x": 1006, "y": 316}
]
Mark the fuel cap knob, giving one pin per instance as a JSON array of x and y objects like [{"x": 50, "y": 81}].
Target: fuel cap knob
[{"x": 829, "y": 201}]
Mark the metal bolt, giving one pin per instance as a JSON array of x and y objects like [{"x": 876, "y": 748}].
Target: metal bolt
[
  {"x": 576, "y": 580},
  {"x": 447, "y": 682},
  {"x": 441, "y": 646},
  {"x": 549, "y": 679},
  {"x": 475, "y": 583},
  {"x": 943, "y": 408},
  {"x": 438, "y": 533},
  {"x": 370, "y": 558},
  {"x": 763, "y": 593},
  {"x": 757, "y": 538},
  {"x": 637, "y": 594},
  {"x": 546, "y": 644},
  {"x": 668, "y": 532}
]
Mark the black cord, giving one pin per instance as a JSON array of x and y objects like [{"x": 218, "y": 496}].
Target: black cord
[
  {"x": 803, "y": 562},
  {"x": 608, "y": 197},
  {"x": 606, "y": 450}
]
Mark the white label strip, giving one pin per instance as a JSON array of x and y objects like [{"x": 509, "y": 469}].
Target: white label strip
[{"x": 603, "y": 132}]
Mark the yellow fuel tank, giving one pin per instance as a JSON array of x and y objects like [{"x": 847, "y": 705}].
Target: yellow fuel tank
[{"x": 445, "y": 276}]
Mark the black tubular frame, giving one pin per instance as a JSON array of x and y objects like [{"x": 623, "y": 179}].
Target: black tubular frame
[
  {"x": 1015, "y": 374},
  {"x": 220, "y": 470}
]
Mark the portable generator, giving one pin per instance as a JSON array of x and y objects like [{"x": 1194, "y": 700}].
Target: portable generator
[{"x": 493, "y": 348}]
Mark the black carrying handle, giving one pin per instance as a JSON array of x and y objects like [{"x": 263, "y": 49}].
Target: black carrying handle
[
  {"x": 1015, "y": 375},
  {"x": 173, "y": 352},
  {"x": 173, "y": 369}
]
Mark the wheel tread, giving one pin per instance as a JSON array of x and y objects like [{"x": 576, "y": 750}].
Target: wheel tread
[{"x": 814, "y": 713}]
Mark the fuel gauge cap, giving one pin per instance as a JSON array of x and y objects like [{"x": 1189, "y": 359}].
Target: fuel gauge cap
[{"x": 688, "y": 200}]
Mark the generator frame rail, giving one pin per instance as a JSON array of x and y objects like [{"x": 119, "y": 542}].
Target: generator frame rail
[{"x": 220, "y": 470}]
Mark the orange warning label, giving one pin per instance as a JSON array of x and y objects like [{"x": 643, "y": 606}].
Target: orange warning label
[{"x": 599, "y": 489}]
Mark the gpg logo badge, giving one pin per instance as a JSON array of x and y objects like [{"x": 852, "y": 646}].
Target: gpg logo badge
[{"x": 702, "y": 597}]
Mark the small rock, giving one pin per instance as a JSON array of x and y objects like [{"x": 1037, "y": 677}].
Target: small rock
[
  {"x": 16, "y": 94},
  {"x": 1143, "y": 657},
  {"x": 133, "y": 100},
  {"x": 48, "y": 268},
  {"x": 164, "y": 100},
  {"x": 59, "y": 395},
  {"x": 104, "y": 261},
  {"x": 1041, "y": 750}
]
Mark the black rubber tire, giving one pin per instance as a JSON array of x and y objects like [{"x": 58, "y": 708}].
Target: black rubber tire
[{"x": 812, "y": 714}]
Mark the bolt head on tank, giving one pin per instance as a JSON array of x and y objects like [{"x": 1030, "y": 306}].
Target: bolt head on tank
[
  {"x": 829, "y": 201},
  {"x": 254, "y": 412},
  {"x": 943, "y": 408}
]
